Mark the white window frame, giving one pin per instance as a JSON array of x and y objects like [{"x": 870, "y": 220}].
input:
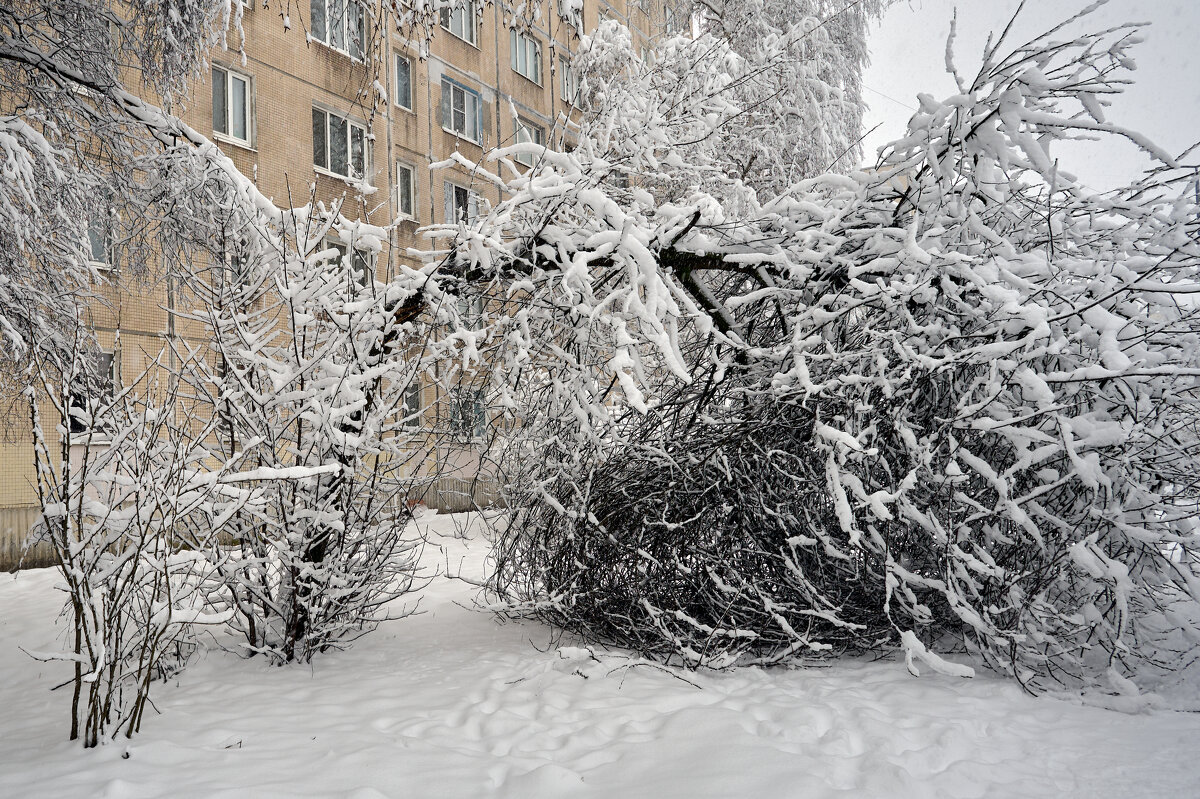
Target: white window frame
[
  {"x": 321, "y": 30},
  {"x": 568, "y": 82},
  {"x": 452, "y": 191},
  {"x": 411, "y": 405},
  {"x": 464, "y": 403},
  {"x": 411, "y": 197},
  {"x": 472, "y": 110},
  {"x": 525, "y": 55},
  {"x": 461, "y": 22},
  {"x": 403, "y": 59},
  {"x": 530, "y": 133},
  {"x": 675, "y": 19},
  {"x": 77, "y": 398},
  {"x": 99, "y": 229},
  {"x": 470, "y": 310},
  {"x": 362, "y": 263},
  {"x": 351, "y": 128},
  {"x": 237, "y": 267},
  {"x": 228, "y": 76}
]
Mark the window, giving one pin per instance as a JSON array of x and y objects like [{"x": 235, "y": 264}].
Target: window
[
  {"x": 467, "y": 414},
  {"x": 526, "y": 55},
  {"x": 341, "y": 24},
  {"x": 362, "y": 262},
  {"x": 411, "y": 404},
  {"x": 461, "y": 204},
  {"x": 237, "y": 268},
  {"x": 460, "y": 110},
  {"x": 568, "y": 81},
  {"x": 405, "y": 191},
  {"x": 339, "y": 145},
  {"x": 100, "y": 241},
  {"x": 529, "y": 133},
  {"x": 461, "y": 21},
  {"x": 470, "y": 311},
  {"x": 675, "y": 19},
  {"x": 232, "y": 101},
  {"x": 403, "y": 82},
  {"x": 91, "y": 392}
]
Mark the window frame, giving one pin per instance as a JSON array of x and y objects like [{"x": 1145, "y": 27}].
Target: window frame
[
  {"x": 449, "y": 87},
  {"x": 401, "y": 58},
  {"x": 447, "y": 16},
  {"x": 78, "y": 398},
  {"x": 470, "y": 310},
  {"x": 674, "y": 19},
  {"x": 523, "y": 124},
  {"x": 411, "y": 213},
  {"x": 464, "y": 400},
  {"x": 362, "y": 261},
  {"x": 519, "y": 44},
  {"x": 568, "y": 82},
  {"x": 326, "y": 38},
  {"x": 229, "y": 76},
  {"x": 351, "y": 126},
  {"x": 412, "y": 402},
  {"x": 100, "y": 226},
  {"x": 451, "y": 207}
]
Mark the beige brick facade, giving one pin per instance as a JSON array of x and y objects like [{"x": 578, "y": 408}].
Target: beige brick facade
[{"x": 289, "y": 75}]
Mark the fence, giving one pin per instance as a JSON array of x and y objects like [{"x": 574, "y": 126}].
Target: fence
[{"x": 15, "y": 524}]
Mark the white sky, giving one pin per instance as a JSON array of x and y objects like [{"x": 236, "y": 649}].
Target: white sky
[{"x": 908, "y": 57}]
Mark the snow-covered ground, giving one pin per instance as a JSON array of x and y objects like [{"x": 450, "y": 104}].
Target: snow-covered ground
[{"x": 451, "y": 704}]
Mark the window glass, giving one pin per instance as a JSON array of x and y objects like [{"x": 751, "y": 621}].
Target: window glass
[
  {"x": 220, "y": 101},
  {"x": 404, "y": 190},
  {"x": 361, "y": 262},
  {"x": 337, "y": 24},
  {"x": 317, "y": 24},
  {"x": 92, "y": 391},
  {"x": 356, "y": 29},
  {"x": 470, "y": 310},
  {"x": 412, "y": 403},
  {"x": 339, "y": 145},
  {"x": 237, "y": 121},
  {"x": 569, "y": 81},
  {"x": 462, "y": 204},
  {"x": 320, "y": 150},
  {"x": 231, "y": 104},
  {"x": 341, "y": 24},
  {"x": 98, "y": 241},
  {"x": 358, "y": 150},
  {"x": 460, "y": 110},
  {"x": 403, "y": 82},
  {"x": 460, "y": 21},
  {"x": 526, "y": 55},
  {"x": 529, "y": 133},
  {"x": 468, "y": 417}
]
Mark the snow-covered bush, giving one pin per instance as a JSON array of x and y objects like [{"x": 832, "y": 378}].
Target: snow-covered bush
[
  {"x": 946, "y": 404},
  {"x": 309, "y": 384},
  {"x": 123, "y": 486}
]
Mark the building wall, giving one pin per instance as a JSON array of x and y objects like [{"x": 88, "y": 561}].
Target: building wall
[{"x": 291, "y": 74}]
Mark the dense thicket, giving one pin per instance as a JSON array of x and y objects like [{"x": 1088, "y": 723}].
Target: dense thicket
[{"x": 949, "y": 403}]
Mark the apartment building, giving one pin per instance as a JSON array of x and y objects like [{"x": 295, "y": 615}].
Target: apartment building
[{"x": 297, "y": 109}]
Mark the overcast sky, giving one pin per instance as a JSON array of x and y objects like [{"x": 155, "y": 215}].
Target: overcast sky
[{"x": 908, "y": 57}]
